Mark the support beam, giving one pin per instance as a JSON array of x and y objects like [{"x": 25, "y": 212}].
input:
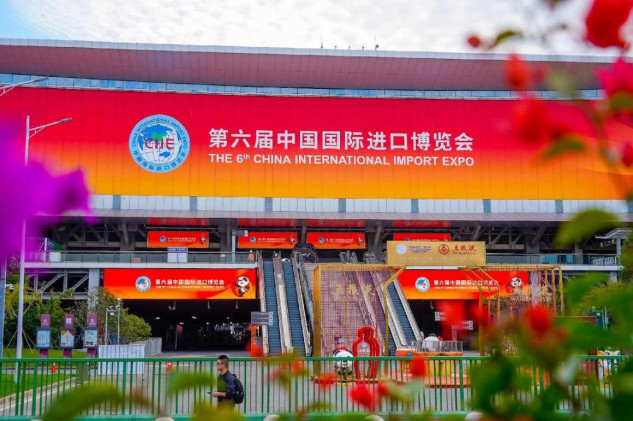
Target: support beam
[
  {"x": 498, "y": 237},
  {"x": 377, "y": 236},
  {"x": 475, "y": 234},
  {"x": 80, "y": 282},
  {"x": 48, "y": 284}
]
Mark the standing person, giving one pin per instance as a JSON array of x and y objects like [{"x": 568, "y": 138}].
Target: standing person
[{"x": 225, "y": 384}]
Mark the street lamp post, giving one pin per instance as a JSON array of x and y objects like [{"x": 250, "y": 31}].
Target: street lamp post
[
  {"x": 118, "y": 323},
  {"x": 30, "y": 132},
  {"x": 3, "y": 266},
  {"x": 110, "y": 312},
  {"x": 6, "y": 88}
]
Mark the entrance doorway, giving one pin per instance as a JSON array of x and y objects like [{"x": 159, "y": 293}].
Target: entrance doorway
[{"x": 197, "y": 325}]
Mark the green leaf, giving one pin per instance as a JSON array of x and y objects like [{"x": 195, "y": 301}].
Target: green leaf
[
  {"x": 578, "y": 287},
  {"x": 584, "y": 337},
  {"x": 81, "y": 399},
  {"x": 205, "y": 412},
  {"x": 504, "y": 36},
  {"x": 584, "y": 225},
  {"x": 621, "y": 101},
  {"x": 570, "y": 142},
  {"x": 563, "y": 82},
  {"x": 181, "y": 381}
]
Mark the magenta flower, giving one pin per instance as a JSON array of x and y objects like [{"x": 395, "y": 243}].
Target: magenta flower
[{"x": 33, "y": 194}]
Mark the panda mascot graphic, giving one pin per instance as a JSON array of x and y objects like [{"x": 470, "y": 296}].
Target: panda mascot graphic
[{"x": 242, "y": 285}]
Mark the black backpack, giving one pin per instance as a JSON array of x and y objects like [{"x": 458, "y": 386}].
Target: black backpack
[{"x": 238, "y": 393}]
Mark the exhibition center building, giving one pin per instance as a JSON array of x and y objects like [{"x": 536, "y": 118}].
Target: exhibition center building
[{"x": 220, "y": 176}]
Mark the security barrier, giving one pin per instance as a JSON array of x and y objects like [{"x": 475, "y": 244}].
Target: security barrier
[{"x": 267, "y": 389}]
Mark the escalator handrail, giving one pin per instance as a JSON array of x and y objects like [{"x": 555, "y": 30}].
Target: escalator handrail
[
  {"x": 262, "y": 302},
  {"x": 399, "y": 336},
  {"x": 407, "y": 311},
  {"x": 282, "y": 306},
  {"x": 302, "y": 311}
]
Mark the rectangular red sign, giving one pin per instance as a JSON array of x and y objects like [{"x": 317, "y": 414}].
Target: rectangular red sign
[
  {"x": 268, "y": 240},
  {"x": 185, "y": 239},
  {"x": 459, "y": 285},
  {"x": 242, "y": 146},
  {"x": 331, "y": 223},
  {"x": 401, "y": 223},
  {"x": 178, "y": 222},
  {"x": 267, "y": 222},
  {"x": 175, "y": 284},
  {"x": 418, "y": 236},
  {"x": 336, "y": 240}
]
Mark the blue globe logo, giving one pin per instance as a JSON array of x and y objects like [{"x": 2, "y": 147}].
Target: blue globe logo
[
  {"x": 422, "y": 284},
  {"x": 159, "y": 143},
  {"x": 143, "y": 283}
]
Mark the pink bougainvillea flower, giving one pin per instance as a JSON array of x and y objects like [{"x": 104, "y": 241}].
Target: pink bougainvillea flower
[
  {"x": 531, "y": 122},
  {"x": 626, "y": 156},
  {"x": 619, "y": 79},
  {"x": 454, "y": 312},
  {"x": 539, "y": 320},
  {"x": 325, "y": 381},
  {"x": 32, "y": 192},
  {"x": 474, "y": 41},
  {"x": 518, "y": 73},
  {"x": 363, "y": 396},
  {"x": 418, "y": 367},
  {"x": 604, "y": 22}
]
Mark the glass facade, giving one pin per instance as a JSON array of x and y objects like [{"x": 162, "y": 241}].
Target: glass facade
[{"x": 127, "y": 85}]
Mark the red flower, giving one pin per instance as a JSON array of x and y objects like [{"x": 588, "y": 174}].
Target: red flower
[
  {"x": 296, "y": 367},
  {"x": 363, "y": 396},
  {"x": 604, "y": 20},
  {"x": 539, "y": 320},
  {"x": 481, "y": 315},
  {"x": 326, "y": 380},
  {"x": 474, "y": 41},
  {"x": 627, "y": 154},
  {"x": 254, "y": 350},
  {"x": 619, "y": 79},
  {"x": 517, "y": 72},
  {"x": 454, "y": 313},
  {"x": 417, "y": 366},
  {"x": 532, "y": 123},
  {"x": 383, "y": 390}
]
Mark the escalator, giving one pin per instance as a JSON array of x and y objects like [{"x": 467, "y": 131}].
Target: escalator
[
  {"x": 295, "y": 317},
  {"x": 274, "y": 336},
  {"x": 399, "y": 309},
  {"x": 407, "y": 329}
]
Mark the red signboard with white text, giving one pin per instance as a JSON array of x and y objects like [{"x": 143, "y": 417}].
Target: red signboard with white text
[
  {"x": 268, "y": 240},
  {"x": 336, "y": 240},
  {"x": 179, "y": 284},
  {"x": 416, "y": 236},
  {"x": 459, "y": 285},
  {"x": 245, "y": 146},
  {"x": 199, "y": 222},
  {"x": 185, "y": 239}
]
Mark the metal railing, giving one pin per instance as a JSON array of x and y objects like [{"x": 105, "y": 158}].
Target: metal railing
[
  {"x": 447, "y": 383},
  {"x": 552, "y": 259},
  {"x": 137, "y": 257}
]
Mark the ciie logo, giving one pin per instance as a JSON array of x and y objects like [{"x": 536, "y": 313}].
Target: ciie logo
[
  {"x": 422, "y": 284},
  {"x": 143, "y": 283},
  {"x": 401, "y": 249},
  {"x": 159, "y": 143}
]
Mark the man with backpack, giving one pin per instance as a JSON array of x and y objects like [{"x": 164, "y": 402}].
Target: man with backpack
[{"x": 230, "y": 390}]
